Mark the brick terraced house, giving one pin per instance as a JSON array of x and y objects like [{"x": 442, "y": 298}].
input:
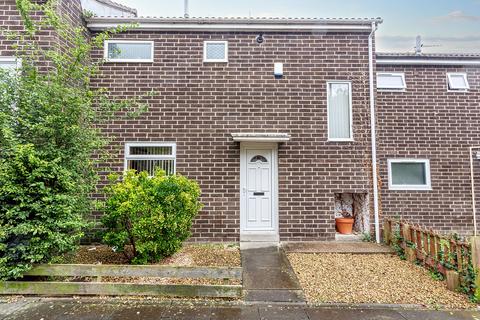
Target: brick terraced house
[{"x": 282, "y": 121}]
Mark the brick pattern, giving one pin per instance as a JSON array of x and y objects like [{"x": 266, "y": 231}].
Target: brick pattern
[
  {"x": 427, "y": 121},
  {"x": 197, "y": 105}
]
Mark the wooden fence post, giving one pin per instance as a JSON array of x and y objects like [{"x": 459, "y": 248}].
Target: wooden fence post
[
  {"x": 387, "y": 229},
  {"x": 475, "y": 243},
  {"x": 453, "y": 280},
  {"x": 410, "y": 253}
]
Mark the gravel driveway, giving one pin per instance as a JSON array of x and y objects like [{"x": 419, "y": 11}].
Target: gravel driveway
[{"x": 371, "y": 278}]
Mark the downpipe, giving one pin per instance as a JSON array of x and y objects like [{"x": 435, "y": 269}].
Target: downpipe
[{"x": 373, "y": 132}]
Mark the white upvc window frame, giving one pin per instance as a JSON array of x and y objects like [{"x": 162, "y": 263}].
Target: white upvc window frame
[
  {"x": 107, "y": 59},
  {"x": 350, "y": 111},
  {"x": 425, "y": 187},
  {"x": 394, "y": 89},
  {"x": 205, "y": 44},
  {"x": 11, "y": 59},
  {"x": 449, "y": 81},
  {"x": 173, "y": 156}
]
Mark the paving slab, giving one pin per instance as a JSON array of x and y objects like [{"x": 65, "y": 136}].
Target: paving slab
[
  {"x": 283, "y": 313},
  {"x": 337, "y": 247},
  {"x": 439, "y": 315},
  {"x": 276, "y": 295},
  {"x": 235, "y": 313},
  {"x": 268, "y": 276},
  {"x": 61, "y": 310},
  {"x": 357, "y": 314}
]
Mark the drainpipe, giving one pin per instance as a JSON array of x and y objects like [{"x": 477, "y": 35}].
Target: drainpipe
[
  {"x": 373, "y": 132},
  {"x": 472, "y": 181}
]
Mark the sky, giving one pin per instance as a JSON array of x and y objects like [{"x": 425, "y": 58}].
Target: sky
[{"x": 446, "y": 26}]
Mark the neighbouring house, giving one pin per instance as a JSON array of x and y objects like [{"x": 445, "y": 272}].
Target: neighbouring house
[{"x": 280, "y": 120}]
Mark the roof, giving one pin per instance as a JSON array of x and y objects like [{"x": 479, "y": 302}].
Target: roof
[
  {"x": 463, "y": 59},
  {"x": 118, "y": 6},
  {"x": 98, "y": 23}
]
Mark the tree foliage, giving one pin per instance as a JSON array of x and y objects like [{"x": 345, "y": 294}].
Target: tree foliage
[{"x": 48, "y": 117}]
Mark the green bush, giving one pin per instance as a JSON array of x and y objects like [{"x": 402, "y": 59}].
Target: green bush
[
  {"x": 150, "y": 215},
  {"x": 38, "y": 212}
]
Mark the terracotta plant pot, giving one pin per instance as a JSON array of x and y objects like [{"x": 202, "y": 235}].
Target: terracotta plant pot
[{"x": 344, "y": 225}]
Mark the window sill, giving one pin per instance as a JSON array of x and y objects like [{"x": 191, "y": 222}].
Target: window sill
[{"x": 410, "y": 188}]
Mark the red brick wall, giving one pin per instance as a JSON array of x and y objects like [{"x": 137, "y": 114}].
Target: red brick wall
[
  {"x": 426, "y": 121},
  {"x": 198, "y": 105}
]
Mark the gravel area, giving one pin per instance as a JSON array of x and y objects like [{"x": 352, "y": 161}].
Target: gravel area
[{"x": 375, "y": 278}]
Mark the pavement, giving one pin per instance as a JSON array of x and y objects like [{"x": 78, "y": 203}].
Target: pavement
[{"x": 111, "y": 309}]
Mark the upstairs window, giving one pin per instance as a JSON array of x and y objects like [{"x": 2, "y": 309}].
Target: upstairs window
[
  {"x": 144, "y": 156},
  {"x": 339, "y": 105},
  {"x": 457, "y": 82},
  {"x": 128, "y": 51},
  {"x": 391, "y": 81},
  {"x": 215, "y": 51},
  {"x": 409, "y": 174}
]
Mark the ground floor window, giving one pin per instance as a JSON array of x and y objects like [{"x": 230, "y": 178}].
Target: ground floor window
[
  {"x": 409, "y": 174},
  {"x": 150, "y": 156}
]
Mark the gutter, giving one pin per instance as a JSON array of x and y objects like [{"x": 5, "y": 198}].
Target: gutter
[
  {"x": 232, "y": 24},
  {"x": 373, "y": 132},
  {"x": 472, "y": 181},
  {"x": 428, "y": 62}
]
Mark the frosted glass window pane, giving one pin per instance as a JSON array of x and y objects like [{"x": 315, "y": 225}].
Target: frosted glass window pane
[
  {"x": 339, "y": 111},
  {"x": 151, "y": 150},
  {"x": 409, "y": 173},
  {"x": 390, "y": 81},
  {"x": 216, "y": 51},
  {"x": 458, "y": 81},
  {"x": 142, "y": 51}
]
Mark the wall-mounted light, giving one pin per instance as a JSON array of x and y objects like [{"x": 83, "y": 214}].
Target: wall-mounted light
[{"x": 278, "y": 69}]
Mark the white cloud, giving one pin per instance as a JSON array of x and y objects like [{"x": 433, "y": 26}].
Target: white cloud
[{"x": 457, "y": 15}]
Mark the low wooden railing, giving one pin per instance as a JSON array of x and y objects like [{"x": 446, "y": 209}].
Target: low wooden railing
[{"x": 444, "y": 254}]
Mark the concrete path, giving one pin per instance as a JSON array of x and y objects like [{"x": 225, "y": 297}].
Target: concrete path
[
  {"x": 268, "y": 276},
  {"x": 70, "y": 309}
]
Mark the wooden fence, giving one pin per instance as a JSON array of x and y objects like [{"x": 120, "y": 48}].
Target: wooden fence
[
  {"x": 97, "y": 287},
  {"x": 442, "y": 253}
]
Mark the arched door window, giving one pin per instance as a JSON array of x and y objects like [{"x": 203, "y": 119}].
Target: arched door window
[{"x": 258, "y": 158}]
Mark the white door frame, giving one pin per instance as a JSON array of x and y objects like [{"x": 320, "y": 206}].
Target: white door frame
[{"x": 258, "y": 235}]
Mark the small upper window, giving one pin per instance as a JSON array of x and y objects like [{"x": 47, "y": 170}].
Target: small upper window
[
  {"x": 409, "y": 174},
  {"x": 457, "y": 82},
  {"x": 144, "y": 156},
  {"x": 128, "y": 51},
  {"x": 215, "y": 51},
  {"x": 391, "y": 81}
]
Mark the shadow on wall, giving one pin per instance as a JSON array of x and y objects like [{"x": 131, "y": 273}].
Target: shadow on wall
[{"x": 354, "y": 205}]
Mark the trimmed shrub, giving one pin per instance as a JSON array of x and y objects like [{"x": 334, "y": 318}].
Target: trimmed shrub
[{"x": 150, "y": 215}]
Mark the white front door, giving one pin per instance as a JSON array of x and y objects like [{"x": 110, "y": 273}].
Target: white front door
[{"x": 258, "y": 189}]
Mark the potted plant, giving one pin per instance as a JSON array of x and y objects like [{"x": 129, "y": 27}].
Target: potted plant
[{"x": 344, "y": 224}]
